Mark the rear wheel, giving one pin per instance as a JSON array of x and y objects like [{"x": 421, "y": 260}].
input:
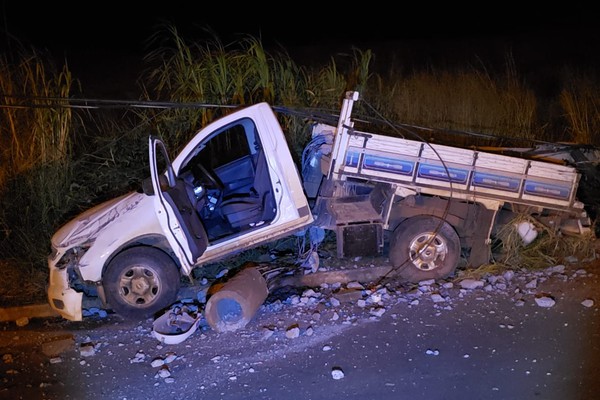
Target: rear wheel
[
  {"x": 141, "y": 281},
  {"x": 424, "y": 247}
]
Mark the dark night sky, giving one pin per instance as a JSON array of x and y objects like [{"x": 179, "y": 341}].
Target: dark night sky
[
  {"x": 109, "y": 24},
  {"x": 102, "y": 37}
]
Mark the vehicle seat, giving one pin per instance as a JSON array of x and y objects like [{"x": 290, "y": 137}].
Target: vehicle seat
[{"x": 253, "y": 207}]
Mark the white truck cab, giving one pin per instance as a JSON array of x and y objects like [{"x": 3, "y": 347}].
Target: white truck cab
[{"x": 232, "y": 187}]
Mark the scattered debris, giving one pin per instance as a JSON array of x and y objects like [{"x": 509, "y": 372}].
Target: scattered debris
[
  {"x": 337, "y": 373},
  {"x": 292, "y": 332},
  {"x": 177, "y": 324},
  {"x": 587, "y": 303},
  {"x": 94, "y": 311},
  {"x": 545, "y": 301},
  {"x": 471, "y": 284},
  {"x": 58, "y": 345},
  {"x": 138, "y": 358},
  {"x": 87, "y": 350}
]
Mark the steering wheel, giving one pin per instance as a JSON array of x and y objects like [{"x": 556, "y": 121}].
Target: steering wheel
[{"x": 212, "y": 179}]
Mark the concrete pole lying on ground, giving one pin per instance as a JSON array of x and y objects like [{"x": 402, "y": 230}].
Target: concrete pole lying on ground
[{"x": 233, "y": 304}]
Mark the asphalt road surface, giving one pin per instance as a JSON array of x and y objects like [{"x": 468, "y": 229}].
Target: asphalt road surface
[{"x": 534, "y": 335}]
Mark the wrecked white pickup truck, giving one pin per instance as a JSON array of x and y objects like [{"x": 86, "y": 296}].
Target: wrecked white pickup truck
[{"x": 429, "y": 203}]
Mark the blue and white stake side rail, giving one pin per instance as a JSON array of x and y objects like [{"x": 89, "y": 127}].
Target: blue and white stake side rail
[{"x": 462, "y": 173}]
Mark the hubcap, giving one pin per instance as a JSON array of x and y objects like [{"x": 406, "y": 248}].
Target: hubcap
[
  {"x": 427, "y": 251},
  {"x": 139, "y": 285}
]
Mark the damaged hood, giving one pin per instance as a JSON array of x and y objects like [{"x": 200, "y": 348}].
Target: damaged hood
[{"x": 87, "y": 225}]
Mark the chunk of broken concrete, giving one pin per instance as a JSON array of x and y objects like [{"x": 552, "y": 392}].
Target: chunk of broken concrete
[
  {"x": 471, "y": 283},
  {"x": 545, "y": 301},
  {"x": 58, "y": 345}
]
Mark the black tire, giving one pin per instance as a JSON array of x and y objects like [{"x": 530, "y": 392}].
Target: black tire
[
  {"x": 424, "y": 247},
  {"x": 141, "y": 281}
]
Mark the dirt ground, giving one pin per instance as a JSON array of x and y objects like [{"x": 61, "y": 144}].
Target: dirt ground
[{"x": 527, "y": 335}]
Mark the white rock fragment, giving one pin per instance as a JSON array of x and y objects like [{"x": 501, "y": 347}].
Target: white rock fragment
[
  {"x": 326, "y": 347},
  {"x": 471, "y": 284},
  {"x": 354, "y": 285},
  {"x": 557, "y": 269},
  {"x": 157, "y": 362},
  {"x": 508, "y": 275},
  {"x": 170, "y": 358},
  {"x": 587, "y": 303},
  {"x": 334, "y": 302},
  {"x": 378, "y": 311},
  {"x": 437, "y": 298},
  {"x": 163, "y": 372},
  {"x": 532, "y": 284},
  {"x": 432, "y": 352},
  {"x": 56, "y": 360},
  {"x": 335, "y": 316},
  {"x": 267, "y": 333},
  {"x": 361, "y": 303},
  {"x": 375, "y": 298},
  {"x": 87, "y": 350},
  {"x": 138, "y": 358},
  {"x": 337, "y": 373},
  {"x": 293, "y": 332},
  {"x": 169, "y": 380},
  {"x": 427, "y": 282},
  {"x": 545, "y": 301}
]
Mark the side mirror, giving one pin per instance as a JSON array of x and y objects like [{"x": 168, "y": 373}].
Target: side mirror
[{"x": 148, "y": 188}]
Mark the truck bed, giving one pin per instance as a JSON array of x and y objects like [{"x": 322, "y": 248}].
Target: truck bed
[{"x": 460, "y": 172}]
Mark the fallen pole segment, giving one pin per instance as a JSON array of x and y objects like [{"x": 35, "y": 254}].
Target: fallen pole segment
[{"x": 231, "y": 305}]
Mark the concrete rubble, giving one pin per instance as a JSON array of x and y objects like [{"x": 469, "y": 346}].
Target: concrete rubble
[{"x": 324, "y": 302}]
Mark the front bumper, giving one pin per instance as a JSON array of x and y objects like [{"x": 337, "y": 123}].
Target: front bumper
[{"x": 64, "y": 300}]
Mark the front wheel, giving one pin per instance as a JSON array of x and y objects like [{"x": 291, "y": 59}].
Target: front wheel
[
  {"x": 141, "y": 281},
  {"x": 424, "y": 247}
]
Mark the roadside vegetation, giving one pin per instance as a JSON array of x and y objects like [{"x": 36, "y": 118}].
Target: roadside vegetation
[{"x": 56, "y": 161}]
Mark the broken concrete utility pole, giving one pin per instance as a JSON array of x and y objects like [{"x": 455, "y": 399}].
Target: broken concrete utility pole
[{"x": 231, "y": 305}]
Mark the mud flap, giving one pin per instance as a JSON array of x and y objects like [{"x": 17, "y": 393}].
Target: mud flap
[{"x": 481, "y": 251}]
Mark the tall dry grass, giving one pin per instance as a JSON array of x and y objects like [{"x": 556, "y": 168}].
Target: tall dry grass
[
  {"x": 471, "y": 100},
  {"x": 581, "y": 102},
  {"x": 37, "y": 134},
  {"x": 37, "y": 138},
  {"x": 243, "y": 72}
]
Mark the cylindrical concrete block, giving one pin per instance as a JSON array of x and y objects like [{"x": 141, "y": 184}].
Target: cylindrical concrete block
[{"x": 234, "y": 303}]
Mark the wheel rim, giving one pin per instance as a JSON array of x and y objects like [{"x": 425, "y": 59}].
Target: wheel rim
[
  {"x": 427, "y": 251},
  {"x": 139, "y": 285}
]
